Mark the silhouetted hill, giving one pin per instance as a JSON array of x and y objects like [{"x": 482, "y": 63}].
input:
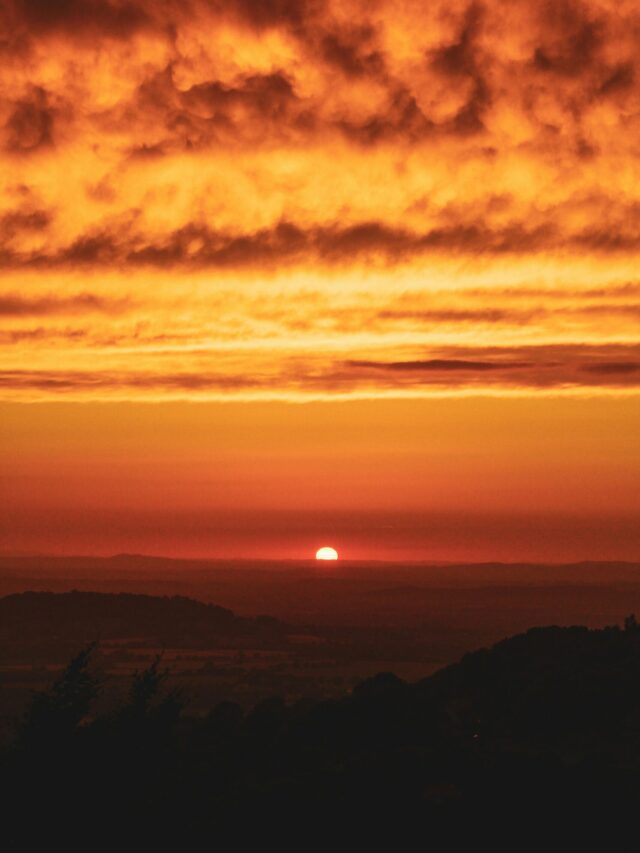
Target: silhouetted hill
[
  {"x": 538, "y": 732},
  {"x": 571, "y": 691},
  {"x": 80, "y": 617},
  {"x": 550, "y": 685}
]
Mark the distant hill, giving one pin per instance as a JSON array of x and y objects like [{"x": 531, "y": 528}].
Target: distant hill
[
  {"x": 484, "y": 601},
  {"x": 80, "y": 617}
]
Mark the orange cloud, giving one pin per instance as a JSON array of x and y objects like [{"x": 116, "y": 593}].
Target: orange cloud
[{"x": 243, "y": 183}]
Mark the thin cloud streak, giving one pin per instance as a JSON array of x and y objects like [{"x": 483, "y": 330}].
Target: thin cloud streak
[
  {"x": 15, "y": 305},
  {"x": 536, "y": 369}
]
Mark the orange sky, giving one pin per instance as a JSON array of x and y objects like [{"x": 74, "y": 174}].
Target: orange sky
[{"x": 304, "y": 256}]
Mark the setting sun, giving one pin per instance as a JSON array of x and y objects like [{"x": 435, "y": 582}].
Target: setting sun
[{"x": 326, "y": 554}]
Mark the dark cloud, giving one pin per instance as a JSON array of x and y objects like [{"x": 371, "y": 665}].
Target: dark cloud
[
  {"x": 15, "y": 305},
  {"x": 441, "y": 364},
  {"x": 24, "y": 219},
  {"x": 270, "y": 96},
  {"x": 620, "y": 79},
  {"x": 353, "y": 52},
  {"x": 514, "y": 316},
  {"x": 618, "y": 237},
  {"x": 117, "y": 18},
  {"x": 609, "y": 309},
  {"x": 30, "y": 124},
  {"x": 41, "y": 333},
  {"x": 403, "y": 119},
  {"x": 123, "y": 18},
  {"x": 273, "y": 13},
  {"x": 544, "y": 366},
  {"x": 627, "y": 290},
  {"x": 613, "y": 367},
  {"x": 275, "y": 245},
  {"x": 256, "y": 107},
  {"x": 74, "y": 381},
  {"x": 541, "y": 367},
  {"x": 460, "y": 315},
  {"x": 196, "y": 245},
  {"x": 571, "y": 38},
  {"x": 199, "y": 246},
  {"x": 461, "y": 60},
  {"x": 573, "y": 42}
]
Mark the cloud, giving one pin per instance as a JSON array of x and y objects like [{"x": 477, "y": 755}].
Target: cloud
[
  {"x": 613, "y": 367},
  {"x": 510, "y": 316},
  {"x": 460, "y": 61},
  {"x": 19, "y": 220},
  {"x": 478, "y": 369},
  {"x": 352, "y": 52},
  {"x": 412, "y": 72},
  {"x": 104, "y": 17},
  {"x": 29, "y": 126},
  {"x": 272, "y": 13},
  {"x": 364, "y": 183},
  {"x": 534, "y": 367},
  {"x": 571, "y": 38},
  {"x": 43, "y": 334},
  {"x": 460, "y": 315},
  {"x": 440, "y": 364},
  {"x": 15, "y": 305},
  {"x": 88, "y": 382},
  {"x": 196, "y": 245}
]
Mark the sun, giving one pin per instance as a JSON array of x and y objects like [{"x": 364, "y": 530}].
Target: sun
[{"x": 326, "y": 554}]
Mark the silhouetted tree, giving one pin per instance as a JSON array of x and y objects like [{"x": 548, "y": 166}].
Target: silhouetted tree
[
  {"x": 55, "y": 714},
  {"x": 542, "y": 727},
  {"x": 146, "y": 700}
]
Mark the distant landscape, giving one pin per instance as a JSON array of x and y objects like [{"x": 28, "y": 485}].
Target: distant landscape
[{"x": 244, "y": 631}]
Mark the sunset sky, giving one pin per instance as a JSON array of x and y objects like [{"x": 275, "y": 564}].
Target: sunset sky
[{"x": 289, "y": 273}]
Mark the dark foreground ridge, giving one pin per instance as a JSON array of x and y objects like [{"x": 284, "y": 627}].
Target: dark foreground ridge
[{"x": 543, "y": 727}]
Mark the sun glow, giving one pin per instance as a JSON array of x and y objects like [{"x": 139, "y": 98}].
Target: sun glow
[{"x": 326, "y": 554}]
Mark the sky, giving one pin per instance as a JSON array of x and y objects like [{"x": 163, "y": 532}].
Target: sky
[{"x": 278, "y": 272}]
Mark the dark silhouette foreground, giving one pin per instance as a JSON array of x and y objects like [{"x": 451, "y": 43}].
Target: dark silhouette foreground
[{"x": 541, "y": 731}]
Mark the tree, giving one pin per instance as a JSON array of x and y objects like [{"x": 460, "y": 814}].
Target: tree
[
  {"x": 151, "y": 713},
  {"x": 56, "y": 713}
]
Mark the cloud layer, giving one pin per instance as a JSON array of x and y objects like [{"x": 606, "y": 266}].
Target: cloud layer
[{"x": 318, "y": 196}]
